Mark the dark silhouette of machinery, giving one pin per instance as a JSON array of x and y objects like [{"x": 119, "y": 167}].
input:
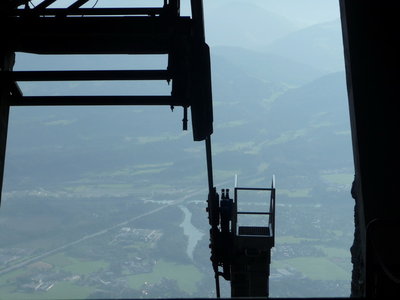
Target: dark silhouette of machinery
[
  {"x": 241, "y": 253},
  {"x": 371, "y": 48}
]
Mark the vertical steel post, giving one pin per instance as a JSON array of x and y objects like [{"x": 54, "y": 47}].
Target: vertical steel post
[{"x": 6, "y": 64}]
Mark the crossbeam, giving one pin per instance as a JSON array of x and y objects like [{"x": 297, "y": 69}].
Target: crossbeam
[
  {"x": 95, "y": 35},
  {"x": 77, "y": 4},
  {"x": 42, "y": 5},
  {"x": 112, "y": 11}
]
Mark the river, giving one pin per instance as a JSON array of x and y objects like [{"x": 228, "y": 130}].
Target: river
[
  {"x": 194, "y": 235},
  {"x": 186, "y": 224}
]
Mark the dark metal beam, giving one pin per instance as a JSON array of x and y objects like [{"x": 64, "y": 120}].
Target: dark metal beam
[
  {"x": 96, "y": 100},
  {"x": 7, "y": 60},
  {"x": 145, "y": 11},
  {"x": 201, "y": 107},
  {"x": 198, "y": 19},
  {"x": 42, "y": 5},
  {"x": 15, "y": 89},
  {"x": 95, "y": 35},
  {"x": 371, "y": 48},
  {"x": 87, "y": 75},
  {"x": 16, "y": 3},
  {"x": 77, "y": 4}
]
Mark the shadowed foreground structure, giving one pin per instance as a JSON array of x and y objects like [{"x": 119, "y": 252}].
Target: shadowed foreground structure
[{"x": 371, "y": 44}]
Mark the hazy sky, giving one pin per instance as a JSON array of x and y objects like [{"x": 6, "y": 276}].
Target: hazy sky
[
  {"x": 252, "y": 24},
  {"x": 302, "y": 12}
]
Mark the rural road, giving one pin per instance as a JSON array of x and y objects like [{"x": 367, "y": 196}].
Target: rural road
[{"x": 101, "y": 232}]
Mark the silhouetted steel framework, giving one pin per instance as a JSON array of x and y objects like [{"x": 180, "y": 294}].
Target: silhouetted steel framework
[
  {"x": 43, "y": 30},
  {"x": 242, "y": 252},
  {"x": 371, "y": 47}
]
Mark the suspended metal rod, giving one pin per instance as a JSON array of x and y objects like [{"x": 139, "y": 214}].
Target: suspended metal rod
[
  {"x": 217, "y": 287},
  {"x": 198, "y": 32},
  {"x": 209, "y": 165},
  {"x": 212, "y": 209}
]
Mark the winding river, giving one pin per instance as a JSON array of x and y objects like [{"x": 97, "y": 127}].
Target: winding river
[{"x": 194, "y": 235}]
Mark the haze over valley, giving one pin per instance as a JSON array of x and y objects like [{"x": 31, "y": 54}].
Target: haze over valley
[{"x": 103, "y": 202}]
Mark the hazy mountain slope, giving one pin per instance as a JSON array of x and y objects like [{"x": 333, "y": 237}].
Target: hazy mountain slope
[
  {"x": 267, "y": 66},
  {"x": 304, "y": 11},
  {"x": 303, "y": 131},
  {"x": 234, "y": 81},
  {"x": 314, "y": 119},
  {"x": 60, "y": 144},
  {"x": 301, "y": 13},
  {"x": 319, "y": 46},
  {"x": 244, "y": 25},
  {"x": 74, "y": 171},
  {"x": 320, "y": 101}
]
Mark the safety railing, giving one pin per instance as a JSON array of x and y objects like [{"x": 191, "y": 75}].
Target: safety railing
[{"x": 255, "y": 230}]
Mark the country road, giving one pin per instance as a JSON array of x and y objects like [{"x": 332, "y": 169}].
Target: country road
[{"x": 98, "y": 233}]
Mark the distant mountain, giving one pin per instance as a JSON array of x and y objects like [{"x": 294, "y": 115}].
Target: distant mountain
[
  {"x": 319, "y": 46},
  {"x": 261, "y": 126},
  {"x": 266, "y": 66},
  {"x": 322, "y": 100},
  {"x": 316, "y": 116},
  {"x": 302, "y": 12},
  {"x": 303, "y": 131},
  {"x": 235, "y": 81},
  {"x": 243, "y": 25}
]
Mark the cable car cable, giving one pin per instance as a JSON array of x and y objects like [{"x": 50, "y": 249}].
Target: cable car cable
[
  {"x": 211, "y": 191},
  {"x": 209, "y": 164}
]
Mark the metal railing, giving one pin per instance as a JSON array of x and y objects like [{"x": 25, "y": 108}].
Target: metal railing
[{"x": 270, "y": 213}]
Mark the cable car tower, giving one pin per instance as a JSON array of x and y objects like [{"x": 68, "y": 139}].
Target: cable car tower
[
  {"x": 242, "y": 253},
  {"x": 239, "y": 253}
]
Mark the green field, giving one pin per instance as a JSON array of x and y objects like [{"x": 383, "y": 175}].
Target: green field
[
  {"x": 58, "y": 291},
  {"x": 315, "y": 268},
  {"x": 59, "y": 261},
  {"x": 186, "y": 276},
  {"x": 75, "y": 266},
  {"x": 335, "y": 252},
  {"x": 63, "y": 288},
  {"x": 9, "y": 277},
  {"x": 339, "y": 178},
  {"x": 295, "y": 193},
  {"x": 290, "y": 239}
]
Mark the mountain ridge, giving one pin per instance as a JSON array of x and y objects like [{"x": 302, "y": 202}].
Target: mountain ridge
[{"x": 319, "y": 46}]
